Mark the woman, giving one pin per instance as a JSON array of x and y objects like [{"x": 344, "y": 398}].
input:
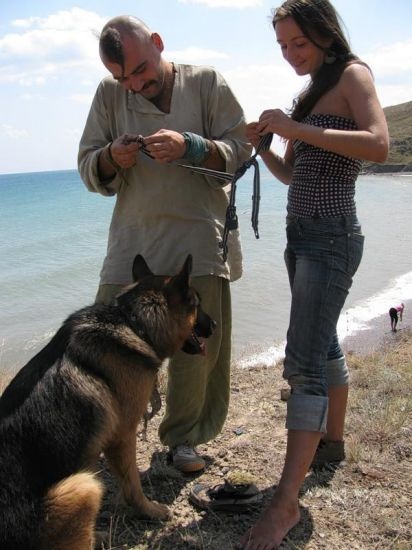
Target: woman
[
  {"x": 335, "y": 123},
  {"x": 393, "y": 314}
]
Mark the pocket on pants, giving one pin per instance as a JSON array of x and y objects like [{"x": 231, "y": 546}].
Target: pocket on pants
[{"x": 355, "y": 251}]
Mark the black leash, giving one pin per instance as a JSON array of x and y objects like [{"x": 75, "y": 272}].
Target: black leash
[{"x": 231, "y": 221}]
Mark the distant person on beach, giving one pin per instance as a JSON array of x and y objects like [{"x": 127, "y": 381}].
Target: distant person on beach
[
  {"x": 163, "y": 211},
  {"x": 393, "y": 314},
  {"x": 334, "y": 124}
]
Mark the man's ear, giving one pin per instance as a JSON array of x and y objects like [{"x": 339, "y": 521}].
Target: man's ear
[{"x": 157, "y": 41}]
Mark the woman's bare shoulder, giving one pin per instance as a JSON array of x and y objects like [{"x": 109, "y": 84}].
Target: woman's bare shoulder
[{"x": 356, "y": 73}]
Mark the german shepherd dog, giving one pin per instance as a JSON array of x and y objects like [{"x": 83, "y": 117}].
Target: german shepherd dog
[{"x": 84, "y": 393}]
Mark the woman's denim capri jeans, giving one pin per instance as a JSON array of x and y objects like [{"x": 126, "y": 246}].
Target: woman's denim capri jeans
[{"x": 321, "y": 256}]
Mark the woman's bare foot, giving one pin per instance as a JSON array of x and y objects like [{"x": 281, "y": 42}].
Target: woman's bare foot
[{"x": 273, "y": 526}]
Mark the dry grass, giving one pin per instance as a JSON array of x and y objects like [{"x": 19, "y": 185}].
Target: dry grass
[
  {"x": 364, "y": 504},
  {"x": 367, "y": 504}
]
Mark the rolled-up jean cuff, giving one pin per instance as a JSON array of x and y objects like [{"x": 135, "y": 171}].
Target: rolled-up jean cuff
[
  {"x": 307, "y": 412},
  {"x": 337, "y": 373}
]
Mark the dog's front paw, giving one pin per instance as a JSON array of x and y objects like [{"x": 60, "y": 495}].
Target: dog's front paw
[
  {"x": 155, "y": 510},
  {"x": 148, "y": 509}
]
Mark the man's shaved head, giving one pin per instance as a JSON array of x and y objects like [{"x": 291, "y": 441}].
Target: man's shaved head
[{"x": 113, "y": 33}]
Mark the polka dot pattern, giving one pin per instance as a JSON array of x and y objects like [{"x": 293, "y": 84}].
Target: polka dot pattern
[{"x": 323, "y": 183}]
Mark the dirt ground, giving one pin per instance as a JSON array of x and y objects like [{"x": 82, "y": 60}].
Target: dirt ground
[{"x": 364, "y": 504}]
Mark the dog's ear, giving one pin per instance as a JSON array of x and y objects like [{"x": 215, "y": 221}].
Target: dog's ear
[
  {"x": 178, "y": 286},
  {"x": 140, "y": 268},
  {"x": 187, "y": 266},
  {"x": 183, "y": 277}
]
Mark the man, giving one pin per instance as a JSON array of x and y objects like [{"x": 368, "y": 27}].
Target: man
[{"x": 163, "y": 211}]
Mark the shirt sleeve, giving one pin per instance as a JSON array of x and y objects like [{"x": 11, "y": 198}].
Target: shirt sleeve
[
  {"x": 96, "y": 136},
  {"x": 226, "y": 123}
]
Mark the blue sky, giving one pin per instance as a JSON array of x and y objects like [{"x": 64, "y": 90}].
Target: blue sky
[{"x": 49, "y": 63}]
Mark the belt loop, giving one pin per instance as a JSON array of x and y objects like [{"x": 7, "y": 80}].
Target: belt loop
[{"x": 349, "y": 227}]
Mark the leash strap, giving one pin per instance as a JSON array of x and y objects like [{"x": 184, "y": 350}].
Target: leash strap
[
  {"x": 231, "y": 221},
  {"x": 225, "y": 176}
]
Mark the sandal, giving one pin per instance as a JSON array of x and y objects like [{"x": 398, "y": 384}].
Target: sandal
[{"x": 225, "y": 497}]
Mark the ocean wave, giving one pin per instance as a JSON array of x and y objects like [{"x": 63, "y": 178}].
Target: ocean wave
[
  {"x": 360, "y": 316},
  {"x": 262, "y": 357},
  {"x": 355, "y": 319}
]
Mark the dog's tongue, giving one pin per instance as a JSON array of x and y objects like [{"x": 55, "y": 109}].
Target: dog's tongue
[{"x": 202, "y": 346}]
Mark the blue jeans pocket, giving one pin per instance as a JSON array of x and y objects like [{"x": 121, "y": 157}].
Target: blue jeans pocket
[{"x": 355, "y": 251}]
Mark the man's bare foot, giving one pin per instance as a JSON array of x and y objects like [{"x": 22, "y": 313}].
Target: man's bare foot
[{"x": 273, "y": 526}]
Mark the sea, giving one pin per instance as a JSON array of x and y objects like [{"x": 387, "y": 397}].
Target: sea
[{"x": 53, "y": 242}]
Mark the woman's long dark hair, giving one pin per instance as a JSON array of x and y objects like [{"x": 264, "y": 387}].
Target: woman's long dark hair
[{"x": 319, "y": 21}]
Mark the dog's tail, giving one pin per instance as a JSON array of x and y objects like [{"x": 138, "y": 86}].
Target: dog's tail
[{"x": 71, "y": 509}]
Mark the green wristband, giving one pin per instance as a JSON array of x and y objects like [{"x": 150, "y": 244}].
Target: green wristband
[{"x": 197, "y": 148}]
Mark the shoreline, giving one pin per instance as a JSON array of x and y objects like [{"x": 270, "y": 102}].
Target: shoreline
[
  {"x": 404, "y": 170},
  {"x": 373, "y": 337},
  {"x": 377, "y": 334}
]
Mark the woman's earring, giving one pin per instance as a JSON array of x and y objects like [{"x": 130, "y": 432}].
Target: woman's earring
[{"x": 330, "y": 57}]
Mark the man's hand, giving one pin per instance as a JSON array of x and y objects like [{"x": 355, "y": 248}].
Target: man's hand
[
  {"x": 165, "y": 145},
  {"x": 124, "y": 150}
]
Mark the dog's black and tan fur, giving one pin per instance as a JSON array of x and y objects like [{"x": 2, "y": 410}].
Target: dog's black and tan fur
[{"x": 85, "y": 393}]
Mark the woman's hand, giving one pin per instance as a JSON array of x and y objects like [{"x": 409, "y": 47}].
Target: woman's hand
[
  {"x": 277, "y": 122},
  {"x": 252, "y": 134}
]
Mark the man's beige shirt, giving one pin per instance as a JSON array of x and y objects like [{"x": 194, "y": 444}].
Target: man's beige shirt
[{"x": 162, "y": 211}]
